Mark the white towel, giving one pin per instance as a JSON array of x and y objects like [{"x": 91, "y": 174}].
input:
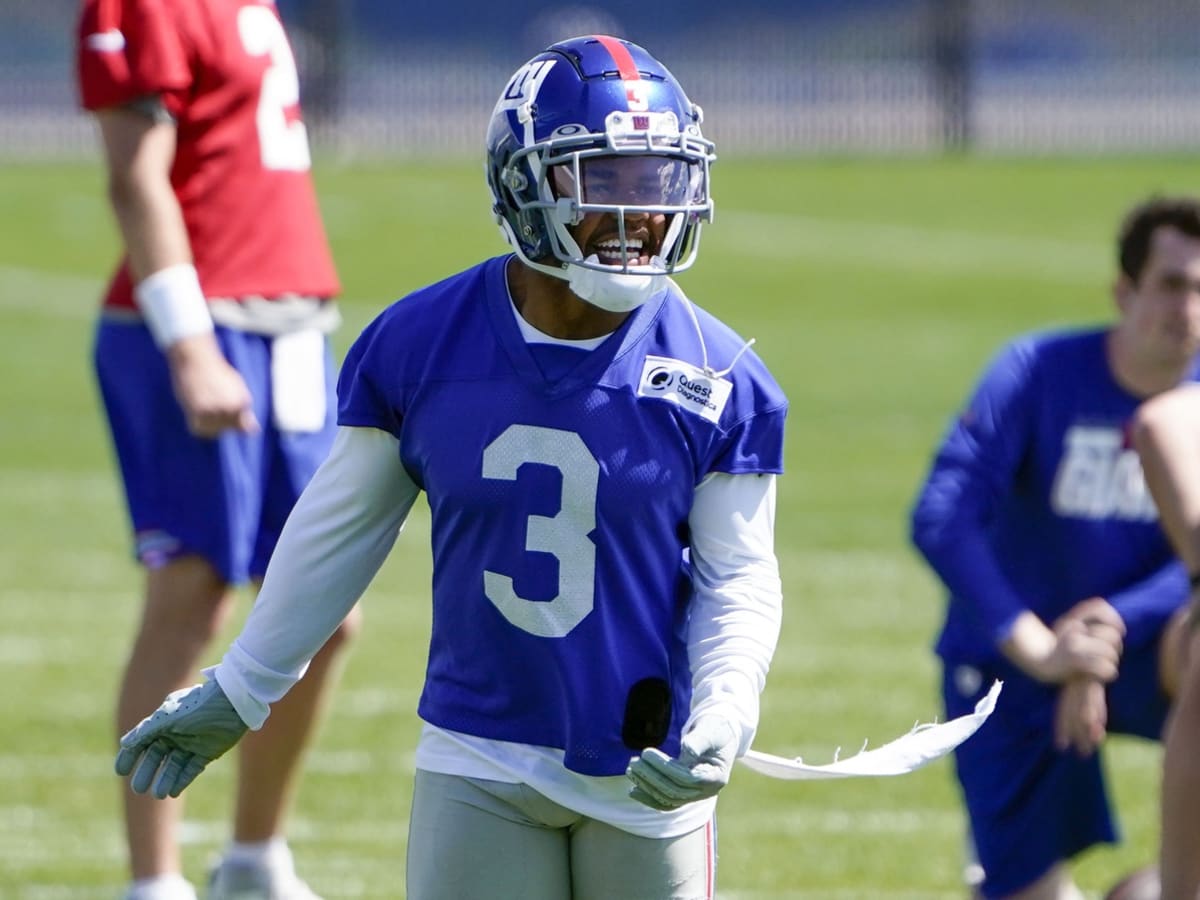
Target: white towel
[
  {"x": 298, "y": 381},
  {"x": 922, "y": 745}
]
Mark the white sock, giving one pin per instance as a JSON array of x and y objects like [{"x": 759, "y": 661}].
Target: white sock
[
  {"x": 161, "y": 887},
  {"x": 269, "y": 854}
]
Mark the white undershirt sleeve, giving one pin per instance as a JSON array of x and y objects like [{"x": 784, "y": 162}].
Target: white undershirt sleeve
[
  {"x": 737, "y": 606},
  {"x": 336, "y": 538}
]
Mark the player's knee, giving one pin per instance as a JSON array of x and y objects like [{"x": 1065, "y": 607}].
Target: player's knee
[
  {"x": 1056, "y": 884},
  {"x": 1176, "y": 647},
  {"x": 183, "y": 612}
]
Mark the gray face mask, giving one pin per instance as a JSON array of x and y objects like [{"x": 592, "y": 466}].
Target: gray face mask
[{"x": 613, "y": 291}]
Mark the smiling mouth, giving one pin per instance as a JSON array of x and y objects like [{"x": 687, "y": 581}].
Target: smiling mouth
[{"x": 611, "y": 253}]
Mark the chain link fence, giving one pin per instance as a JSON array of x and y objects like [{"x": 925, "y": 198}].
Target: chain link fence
[{"x": 391, "y": 78}]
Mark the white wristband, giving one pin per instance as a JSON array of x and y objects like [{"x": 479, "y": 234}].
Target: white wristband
[{"x": 173, "y": 304}]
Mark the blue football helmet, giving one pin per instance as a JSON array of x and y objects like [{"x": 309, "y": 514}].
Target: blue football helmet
[{"x": 597, "y": 125}]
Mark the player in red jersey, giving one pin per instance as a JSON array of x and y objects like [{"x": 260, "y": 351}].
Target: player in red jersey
[{"x": 213, "y": 361}]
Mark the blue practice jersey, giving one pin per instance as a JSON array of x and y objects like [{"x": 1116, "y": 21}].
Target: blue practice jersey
[
  {"x": 559, "y": 502},
  {"x": 1036, "y": 501}
]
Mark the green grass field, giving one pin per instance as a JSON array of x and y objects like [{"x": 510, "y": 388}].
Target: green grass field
[{"x": 876, "y": 290}]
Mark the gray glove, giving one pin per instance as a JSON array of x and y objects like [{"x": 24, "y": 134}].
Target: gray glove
[
  {"x": 192, "y": 728},
  {"x": 706, "y": 756}
]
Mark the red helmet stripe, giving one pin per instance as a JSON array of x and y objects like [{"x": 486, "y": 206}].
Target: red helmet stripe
[
  {"x": 108, "y": 16},
  {"x": 626, "y": 67}
]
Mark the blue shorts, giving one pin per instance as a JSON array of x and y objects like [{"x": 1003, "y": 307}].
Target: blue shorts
[
  {"x": 225, "y": 499},
  {"x": 1030, "y": 805}
]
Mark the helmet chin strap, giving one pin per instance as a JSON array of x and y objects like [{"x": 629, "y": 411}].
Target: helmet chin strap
[
  {"x": 614, "y": 291},
  {"x": 617, "y": 292}
]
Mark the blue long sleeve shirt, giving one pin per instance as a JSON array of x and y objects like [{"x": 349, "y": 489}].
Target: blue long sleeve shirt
[{"x": 1036, "y": 501}]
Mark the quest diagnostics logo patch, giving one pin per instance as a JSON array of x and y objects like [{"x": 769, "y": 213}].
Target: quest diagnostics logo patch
[{"x": 685, "y": 385}]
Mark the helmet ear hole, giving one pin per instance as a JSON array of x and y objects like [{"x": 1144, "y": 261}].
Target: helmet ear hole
[{"x": 513, "y": 180}]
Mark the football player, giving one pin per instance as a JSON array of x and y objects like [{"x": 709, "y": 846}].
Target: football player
[
  {"x": 214, "y": 366},
  {"x": 599, "y": 456},
  {"x": 1036, "y": 517}
]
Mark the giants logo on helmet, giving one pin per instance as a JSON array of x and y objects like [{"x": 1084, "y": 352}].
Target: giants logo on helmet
[{"x": 524, "y": 84}]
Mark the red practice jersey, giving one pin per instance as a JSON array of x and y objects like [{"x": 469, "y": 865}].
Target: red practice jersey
[{"x": 224, "y": 69}]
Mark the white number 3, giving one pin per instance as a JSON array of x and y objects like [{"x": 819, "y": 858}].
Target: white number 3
[
  {"x": 282, "y": 141},
  {"x": 565, "y": 534}
]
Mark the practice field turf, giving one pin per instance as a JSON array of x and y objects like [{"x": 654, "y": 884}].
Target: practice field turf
[{"x": 876, "y": 291}]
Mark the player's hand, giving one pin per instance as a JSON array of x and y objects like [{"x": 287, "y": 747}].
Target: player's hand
[
  {"x": 1081, "y": 716},
  {"x": 1090, "y": 640},
  {"x": 192, "y": 728},
  {"x": 1101, "y": 620},
  {"x": 212, "y": 393},
  {"x": 706, "y": 756}
]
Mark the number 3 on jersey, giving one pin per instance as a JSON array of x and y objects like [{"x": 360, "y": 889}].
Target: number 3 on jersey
[
  {"x": 565, "y": 534},
  {"x": 282, "y": 138}
]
